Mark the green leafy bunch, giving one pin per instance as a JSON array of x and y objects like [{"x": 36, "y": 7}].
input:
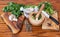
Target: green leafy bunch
[
  {"x": 14, "y": 8},
  {"x": 48, "y": 7}
]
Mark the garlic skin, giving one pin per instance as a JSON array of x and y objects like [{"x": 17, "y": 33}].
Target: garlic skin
[
  {"x": 27, "y": 11},
  {"x": 12, "y": 17},
  {"x": 21, "y": 9},
  {"x": 36, "y": 9}
]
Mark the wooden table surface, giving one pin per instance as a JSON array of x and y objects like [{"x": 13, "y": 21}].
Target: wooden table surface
[{"x": 36, "y": 31}]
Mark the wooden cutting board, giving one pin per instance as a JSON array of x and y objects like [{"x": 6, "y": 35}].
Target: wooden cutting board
[
  {"x": 49, "y": 24},
  {"x": 15, "y": 26}
]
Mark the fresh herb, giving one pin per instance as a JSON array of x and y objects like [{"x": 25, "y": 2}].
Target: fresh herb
[
  {"x": 33, "y": 16},
  {"x": 14, "y": 8},
  {"x": 48, "y": 7}
]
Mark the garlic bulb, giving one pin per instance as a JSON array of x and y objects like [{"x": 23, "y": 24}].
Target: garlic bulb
[
  {"x": 27, "y": 11},
  {"x": 12, "y": 17}
]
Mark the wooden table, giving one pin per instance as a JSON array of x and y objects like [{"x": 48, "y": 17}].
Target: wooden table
[{"x": 36, "y": 31}]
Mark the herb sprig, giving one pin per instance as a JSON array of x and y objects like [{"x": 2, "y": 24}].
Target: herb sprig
[{"x": 14, "y": 8}]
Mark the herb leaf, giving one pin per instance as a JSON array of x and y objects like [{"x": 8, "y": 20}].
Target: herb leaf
[
  {"x": 48, "y": 7},
  {"x": 14, "y": 8}
]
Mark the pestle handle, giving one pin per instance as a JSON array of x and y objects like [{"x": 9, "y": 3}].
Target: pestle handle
[{"x": 42, "y": 7}]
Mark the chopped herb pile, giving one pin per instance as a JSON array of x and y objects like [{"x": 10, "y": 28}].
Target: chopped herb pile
[
  {"x": 14, "y": 8},
  {"x": 35, "y": 17},
  {"x": 48, "y": 7}
]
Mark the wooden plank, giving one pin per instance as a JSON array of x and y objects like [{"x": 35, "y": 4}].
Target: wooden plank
[
  {"x": 5, "y": 2},
  {"x": 37, "y": 31},
  {"x": 1, "y": 9},
  {"x": 53, "y": 26},
  {"x": 21, "y": 2},
  {"x": 8, "y": 0},
  {"x": 3, "y": 27},
  {"x": 35, "y": 2},
  {"x": 4, "y": 31},
  {"x": 1, "y": 20}
]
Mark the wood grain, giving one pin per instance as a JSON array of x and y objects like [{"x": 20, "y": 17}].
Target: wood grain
[
  {"x": 49, "y": 24},
  {"x": 36, "y": 31}
]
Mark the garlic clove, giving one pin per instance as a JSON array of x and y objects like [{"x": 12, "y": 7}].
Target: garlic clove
[
  {"x": 21, "y": 9},
  {"x": 12, "y": 17}
]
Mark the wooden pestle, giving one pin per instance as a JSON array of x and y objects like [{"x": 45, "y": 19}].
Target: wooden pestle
[{"x": 39, "y": 12}]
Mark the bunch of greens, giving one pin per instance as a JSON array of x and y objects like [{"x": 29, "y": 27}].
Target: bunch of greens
[
  {"x": 48, "y": 7},
  {"x": 14, "y": 8}
]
